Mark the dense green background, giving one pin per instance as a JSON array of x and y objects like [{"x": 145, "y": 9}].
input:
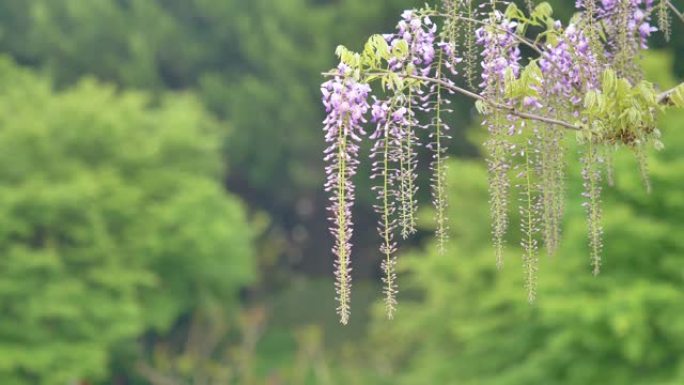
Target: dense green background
[{"x": 162, "y": 218}]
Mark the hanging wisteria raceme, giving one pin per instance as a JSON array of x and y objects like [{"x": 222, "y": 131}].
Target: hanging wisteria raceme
[
  {"x": 393, "y": 154},
  {"x": 581, "y": 78},
  {"x": 591, "y": 174},
  {"x": 569, "y": 69},
  {"x": 417, "y": 32},
  {"x": 437, "y": 104},
  {"x": 634, "y": 14},
  {"x": 627, "y": 26},
  {"x": 529, "y": 209},
  {"x": 346, "y": 104},
  {"x": 664, "y": 22},
  {"x": 390, "y": 117},
  {"x": 501, "y": 57}
]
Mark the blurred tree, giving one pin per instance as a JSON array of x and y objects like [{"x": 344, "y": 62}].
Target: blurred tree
[
  {"x": 216, "y": 351},
  {"x": 255, "y": 64},
  {"x": 113, "y": 221},
  {"x": 463, "y": 322}
]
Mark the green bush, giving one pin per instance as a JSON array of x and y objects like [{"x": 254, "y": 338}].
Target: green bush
[{"x": 113, "y": 222}]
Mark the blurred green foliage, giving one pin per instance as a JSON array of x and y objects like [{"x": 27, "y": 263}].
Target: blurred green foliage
[
  {"x": 113, "y": 222},
  {"x": 256, "y": 63}
]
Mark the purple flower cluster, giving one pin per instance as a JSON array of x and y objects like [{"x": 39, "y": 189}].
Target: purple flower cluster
[
  {"x": 500, "y": 52},
  {"x": 570, "y": 67},
  {"x": 380, "y": 114},
  {"x": 385, "y": 154},
  {"x": 390, "y": 121},
  {"x": 641, "y": 20},
  {"x": 638, "y": 17},
  {"x": 346, "y": 104},
  {"x": 449, "y": 51},
  {"x": 419, "y": 33}
]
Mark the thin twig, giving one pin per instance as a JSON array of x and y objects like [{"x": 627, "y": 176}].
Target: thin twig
[
  {"x": 531, "y": 44},
  {"x": 510, "y": 109},
  {"x": 154, "y": 376},
  {"x": 674, "y": 10},
  {"x": 517, "y": 37},
  {"x": 664, "y": 97}
]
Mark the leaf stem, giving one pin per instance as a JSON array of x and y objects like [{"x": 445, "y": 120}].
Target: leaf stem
[{"x": 674, "y": 10}]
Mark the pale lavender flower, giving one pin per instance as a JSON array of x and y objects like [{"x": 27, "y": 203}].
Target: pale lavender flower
[
  {"x": 387, "y": 139},
  {"x": 570, "y": 68},
  {"x": 419, "y": 33},
  {"x": 634, "y": 16},
  {"x": 500, "y": 55},
  {"x": 345, "y": 101},
  {"x": 500, "y": 52}
]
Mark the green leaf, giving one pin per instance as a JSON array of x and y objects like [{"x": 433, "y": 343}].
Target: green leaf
[
  {"x": 608, "y": 81},
  {"x": 542, "y": 12},
  {"x": 401, "y": 49},
  {"x": 677, "y": 96}
]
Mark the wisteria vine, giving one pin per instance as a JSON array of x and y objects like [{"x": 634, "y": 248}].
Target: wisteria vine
[{"x": 580, "y": 78}]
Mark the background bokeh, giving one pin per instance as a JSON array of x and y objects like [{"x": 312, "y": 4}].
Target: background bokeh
[{"x": 162, "y": 219}]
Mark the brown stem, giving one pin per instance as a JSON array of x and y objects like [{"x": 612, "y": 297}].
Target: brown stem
[
  {"x": 517, "y": 37},
  {"x": 674, "y": 10},
  {"x": 664, "y": 97},
  {"x": 510, "y": 109}
]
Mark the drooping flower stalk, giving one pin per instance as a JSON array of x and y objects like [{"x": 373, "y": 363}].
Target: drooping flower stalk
[
  {"x": 550, "y": 167},
  {"x": 551, "y": 170},
  {"x": 664, "y": 19},
  {"x": 569, "y": 69},
  {"x": 557, "y": 165},
  {"x": 345, "y": 100},
  {"x": 453, "y": 31},
  {"x": 407, "y": 173},
  {"x": 470, "y": 46},
  {"x": 610, "y": 168},
  {"x": 501, "y": 55},
  {"x": 439, "y": 157},
  {"x": 590, "y": 24},
  {"x": 418, "y": 32},
  {"x": 389, "y": 247},
  {"x": 591, "y": 174},
  {"x": 498, "y": 166},
  {"x": 529, "y": 218},
  {"x": 385, "y": 153},
  {"x": 642, "y": 160}
]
